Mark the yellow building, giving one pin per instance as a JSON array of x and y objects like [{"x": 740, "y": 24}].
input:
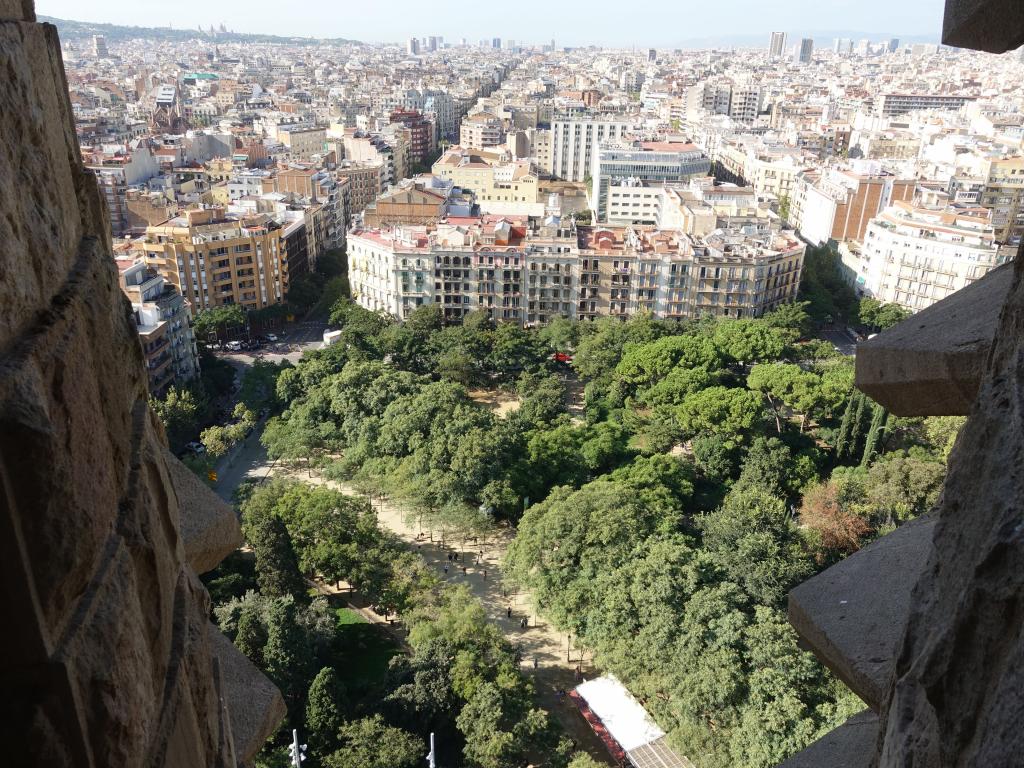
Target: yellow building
[
  {"x": 213, "y": 259},
  {"x": 507, "y": 189}
]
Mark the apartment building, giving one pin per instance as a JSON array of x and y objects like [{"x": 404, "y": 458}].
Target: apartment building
[
  {"x": 365, "y": 180},
  {"x": 212, "y": 258},
  {"x": 838, "y": 203},
  {"x": 1003, "y": 194},
  {"x": 574, "y": 140},
  {"x": 117, "y": 169},
  {"x": 302, "y": 143},
  {"x": 419, "y": 201},
  {"x": 423, "y": 138},
  {"x": 164, "y": 326},
  {"x": 777, "y": 46},
  {"x": 917, "y": 253},
  {"x": 318, "y": 187},
  {"x": 623, "y": 175},
  {"x": 531, "y": 270},
  {"x": 481, "y": 131},
  {"x": 504, "y": 188},
  {"x": 889, "y": 104}
]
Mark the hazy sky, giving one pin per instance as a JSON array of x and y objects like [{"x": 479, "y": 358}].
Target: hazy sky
[{"x": 572, "y": 22}]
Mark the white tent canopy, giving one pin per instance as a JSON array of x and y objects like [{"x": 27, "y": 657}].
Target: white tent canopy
[{"x": 624, "y": 717}]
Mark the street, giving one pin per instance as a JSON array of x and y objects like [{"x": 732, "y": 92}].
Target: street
[{"x": 839, "y": 339}]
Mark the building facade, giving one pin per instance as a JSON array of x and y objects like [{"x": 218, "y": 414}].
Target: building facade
[
  {"x": 574, "y": 140},
  {"x": 164, "y": 326},
  {"x": 213, "y": 259},
  {"x": 916, "y": 254},
  {"x": 620, "y": 171},
  {"x": 530, "y": 271}
]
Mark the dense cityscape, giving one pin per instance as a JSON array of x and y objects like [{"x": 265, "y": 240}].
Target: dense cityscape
[{"x": 528, "y": 369}]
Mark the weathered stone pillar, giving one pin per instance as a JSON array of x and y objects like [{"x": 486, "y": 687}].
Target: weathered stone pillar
[{"x": 107, "y": 656}]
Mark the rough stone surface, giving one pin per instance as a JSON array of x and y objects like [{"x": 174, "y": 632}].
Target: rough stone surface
[
  {"x": 957, "y": 698},
  {"x": 256, "y": 705},
  {"x": 995, "y": 26},
  {"x": 107, "y": 658},
  {"x": 851, "y": 745},
  {"x": 17, "y": 10},
  {"x": 853, "y": 615},
  {"x": 932, "y": 363},
  {"x": 209, "y": 527}
]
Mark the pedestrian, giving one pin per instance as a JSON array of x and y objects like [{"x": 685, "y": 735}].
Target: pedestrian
[
  {"x": 534, "y": 661},
  {"x": 463, "y": 570},
  {"x": 485, "y": 574},
  {"x": 449, "y": 557},
  {"x": 446, "y": 569},
  {"x": 508, "y": 611}
]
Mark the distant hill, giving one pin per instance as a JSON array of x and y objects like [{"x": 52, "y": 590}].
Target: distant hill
[{"x": 77, "y": 30}]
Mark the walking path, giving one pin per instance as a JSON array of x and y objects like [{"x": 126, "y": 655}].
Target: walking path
[{"x": 545, "y": 650}]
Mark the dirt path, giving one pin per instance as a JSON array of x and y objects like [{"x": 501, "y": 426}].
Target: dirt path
[{"x": 545, "y": 652}]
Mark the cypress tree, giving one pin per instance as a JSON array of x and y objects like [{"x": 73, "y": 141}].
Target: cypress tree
[
  {"x": 875, "y": 434},
  {"x": 843, "y": 439},
  {"x": 277, "y": 568},
  {"x": 324, "y": 709},
  {"x": 856, "y": 426},
  {"x": 287, "y": 653}
]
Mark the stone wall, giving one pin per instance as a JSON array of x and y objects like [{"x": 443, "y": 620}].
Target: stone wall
[{"x": 108, "y": 657}]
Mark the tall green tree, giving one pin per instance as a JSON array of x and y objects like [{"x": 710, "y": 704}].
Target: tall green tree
[{"x": 325, "y": 709}]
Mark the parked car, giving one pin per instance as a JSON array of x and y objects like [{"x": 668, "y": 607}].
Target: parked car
[
  {"x": 234, "y": 346},
  {"x": 272, "y": 338},
  {"x": 197, "y": 448}
]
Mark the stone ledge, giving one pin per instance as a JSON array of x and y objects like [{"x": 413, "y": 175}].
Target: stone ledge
[
  {"x": 17, "y": 10},
  {"x": 853, "y": 615},
  {"x": 985, "y": 25},
  {"x": 255, "y": 707},
  {"x": 931, "y": 364},
  {"x": 851, "y": 745},
  {"x": 209, "y": 527}
]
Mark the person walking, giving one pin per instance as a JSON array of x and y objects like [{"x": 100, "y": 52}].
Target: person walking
[
  {"x": 446, "y": 569},
  {"x": 534, "y": 661},
  {"x": 508, "y": 611}
]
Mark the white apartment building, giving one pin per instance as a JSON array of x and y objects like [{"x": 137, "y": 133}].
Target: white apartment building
[
  {"x": 574, "y": 140},
  {"x": 624, "y": 177},
  {"x": 531, "y": 271},
  {"x": 915, "y": 255}
]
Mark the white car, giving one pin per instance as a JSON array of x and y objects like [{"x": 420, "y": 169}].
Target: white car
[
  {"x": 271, "y": 338},
  {"x": 234, "y": 346},
  {"x": 197, "y": 448}
]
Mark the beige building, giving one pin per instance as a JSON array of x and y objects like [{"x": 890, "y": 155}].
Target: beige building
[
  {"x": 481, "y": 131},
  {"x": 303, "y": 143},
  {"x": 530, "y": 270},
  {"x": 510, "y": 188},
  {"x": 213, "y": 259},
  {"x": 365, "y": 182}
]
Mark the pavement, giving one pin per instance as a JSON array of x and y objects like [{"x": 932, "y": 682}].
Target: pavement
[
  {"x": 547, "y": 653},
  {"x": 840, "y": 339}
]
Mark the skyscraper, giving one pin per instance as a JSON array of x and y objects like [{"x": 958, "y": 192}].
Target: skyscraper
[
  {"x": 803, "y": 51},
  {"x": 99, "y": 46},
  {"x": 413, "y": 46},
  {"x": 778, "y": 45}
]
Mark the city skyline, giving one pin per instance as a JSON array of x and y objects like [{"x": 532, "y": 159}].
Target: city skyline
[{"x": 683, "y": 25}]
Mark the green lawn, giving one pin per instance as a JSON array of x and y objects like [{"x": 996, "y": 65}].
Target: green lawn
[{"x": 364, "y": 650}]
